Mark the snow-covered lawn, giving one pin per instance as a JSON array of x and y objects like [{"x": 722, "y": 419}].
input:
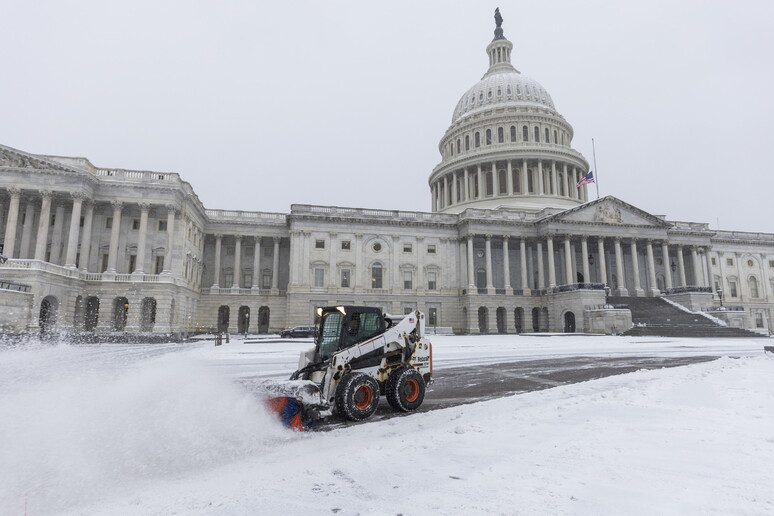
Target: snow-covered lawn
[{"x": 166, "y": 430}]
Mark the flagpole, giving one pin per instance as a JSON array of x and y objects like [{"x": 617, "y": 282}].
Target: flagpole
[{"x": 596, "y": 170}]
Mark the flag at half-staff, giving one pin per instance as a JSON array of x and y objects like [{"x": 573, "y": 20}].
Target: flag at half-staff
[{"x": 588, "y": 178}]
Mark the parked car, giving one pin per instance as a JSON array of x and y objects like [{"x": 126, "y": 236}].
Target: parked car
[{"x": 299, "y": 331}]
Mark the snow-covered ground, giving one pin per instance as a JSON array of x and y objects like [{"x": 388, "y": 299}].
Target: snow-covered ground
[{"x": 166, "y": 429}]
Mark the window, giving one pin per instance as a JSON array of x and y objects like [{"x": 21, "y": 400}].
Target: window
[
  {"x": 376, "y": 247},
  {"x": 758, "y": 320},
  {"x": 345, "y": 245},
  {"x": 104, "y": 262},
  {"x": 525, "y": 133},
  {"x": 319, "y": 277},
  {"x": 513, "y": 133},
  {"x": 108, "y": 222},
  {"x": 556, "y": 139},
  {"x": 266, "y": 279},
  {"x": 467, "y": 142},
  {"x": 477, "y": 137},
  {"x": 753, "y": 283},
  {"x": 502, "y": 181},
  {"x": 159, "y": 265},
  {"x": 771, "y": 264},
  {"x": 267, "y": 251},
  {"x": 489, "y": 137},
  {"x": 162, "y": 225},
  {"x": 319, "y": 244},
  {"x": 81, "y": 222},
  {"x": 732, "y": 288},
  {"x": 432, "y": 317},
  {"x": 714, "y": 262},
  {"x": 407, "y": 310},
  {"x": 729, "y": 261},
  {"x": 407, "y": 248},
  {"x": 458, "y": 145},
  {"x": 345, "y": 276},
  {"x": 500, "y": 135},
  {"x": 548, "y": 139},
  {"x": 228, "y": 278},
  {"x": 489, "y": 184},
  {"x": 508, "y": 89},
  {"x": 132, "y": 262},
  {"x": 247, "y": 279},
  {"x": 407, "y": 280},
  {"x": 230, "y": 250},
  {"x": 135, "y": 224},
  {"x": 376, "y": 275},
  {"x": 432, "y": 281},
  {"x": 430, "y": 248},
  {"x": 537, "y": 134}
]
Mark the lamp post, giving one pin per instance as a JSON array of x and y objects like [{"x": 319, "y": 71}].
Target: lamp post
[
  {"x": 720, "y": 295},
  {"x": 673, "y": 266}
]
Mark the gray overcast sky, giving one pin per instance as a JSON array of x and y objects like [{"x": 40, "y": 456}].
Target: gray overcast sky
[{"x": 261, "y": 105}]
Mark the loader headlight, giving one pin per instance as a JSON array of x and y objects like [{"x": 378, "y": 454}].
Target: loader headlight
[
  {"x": 319, "y": 311},
  {"x": 341, "y": 309}
]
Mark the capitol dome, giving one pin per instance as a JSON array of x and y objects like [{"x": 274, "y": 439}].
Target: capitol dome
[{"x": 507, "y": 145}]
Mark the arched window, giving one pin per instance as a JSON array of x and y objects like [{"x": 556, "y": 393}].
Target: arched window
[
  {"x": 513, "y": 133},
  {"x": 474, "y": 186},
  {"x": 477, "y": 139},
  {"x": 530, "y": 181},
  {"x": 458, "y": 145},
  {"x": 451, "y": 149},
  {"x": 537, "y": 134},
  {"x": 508, "y": 89},
  {"x": 376, "y": 275},
  {"x": 502, "y": 180},
  {"x": 489, "y": 137},
  {"x": 556, "y": 138},
  {"x": 489, "y": 184},
  {"x": 548, "y": 139},
  {"x": 467, "y": 142},
  {"x": 753, "y": 283},
  {"x": 525, "y": 133},
  {"x": 500, "y": 135},
  {"x": 516, "y": 179}
]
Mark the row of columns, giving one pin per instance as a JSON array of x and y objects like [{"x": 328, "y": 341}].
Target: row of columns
[
  {"x": 237, "y": 279},
  {"x": 79, "y": 200},
  {"x": 701, "y": 270},
  {"x": 451, "y": 186}
]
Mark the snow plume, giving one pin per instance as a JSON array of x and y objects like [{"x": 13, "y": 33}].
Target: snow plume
[{"x": 78, "y": 423}]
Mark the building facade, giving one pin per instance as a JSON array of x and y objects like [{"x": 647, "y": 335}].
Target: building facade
[{"x": 511, "y": 244}]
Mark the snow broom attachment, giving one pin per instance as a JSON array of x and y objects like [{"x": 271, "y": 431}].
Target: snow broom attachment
[{"x": 297, "y": 403}]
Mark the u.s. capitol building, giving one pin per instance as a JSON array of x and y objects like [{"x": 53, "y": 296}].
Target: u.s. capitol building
[{"x": 511, "y": 244}]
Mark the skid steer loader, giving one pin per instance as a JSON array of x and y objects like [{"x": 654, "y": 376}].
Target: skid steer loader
[{"x": 359, "y": 355}]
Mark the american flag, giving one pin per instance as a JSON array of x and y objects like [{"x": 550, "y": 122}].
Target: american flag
[{"x": 588, "y": 178}]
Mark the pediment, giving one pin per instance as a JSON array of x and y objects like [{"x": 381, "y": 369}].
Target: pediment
[
  {"x": 608, "y": 211},
  {"x": 13, "y": 158}
]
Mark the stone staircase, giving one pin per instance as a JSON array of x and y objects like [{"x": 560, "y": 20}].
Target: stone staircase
[{"x": 652, "y": 316}]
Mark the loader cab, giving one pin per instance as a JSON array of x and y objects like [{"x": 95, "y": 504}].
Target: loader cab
[{"x": 342, "y": 327}]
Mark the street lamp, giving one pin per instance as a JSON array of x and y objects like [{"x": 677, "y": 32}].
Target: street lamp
[
  {"x": 673, "y": 266},
  {"x": 720, "y": 295},
  {"x": 591, "y": 259}
]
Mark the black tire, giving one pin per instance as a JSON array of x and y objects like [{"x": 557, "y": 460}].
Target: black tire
[
  {"x": 357, "y": 396},
  {"x": 405, "y": 389}
]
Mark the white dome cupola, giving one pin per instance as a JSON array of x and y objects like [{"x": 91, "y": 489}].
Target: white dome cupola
[{"x": 507, "y": 146}]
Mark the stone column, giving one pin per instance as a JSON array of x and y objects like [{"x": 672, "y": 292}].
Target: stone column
[
  {"x": 275, "y": 266},
  {"x": 466, "y": 187},
  {"x": 10, "y": 223},
  {"x": 26, "y": 237},
  {"x": 168, "y": 261},
  {"x": 495, "y": 180},
  {"x": 509, "y": 177},
  {"x": 696, "y": 268},
  {"x": 139, "y": 266},
  {"x": 237, "y": 262},
  {"x": 218, "y": 247},
  {"x": 45, "y": 218},
  {"x": 551, "y": 267},
  {"x": 681, "y": 265},
  {"x": 257, "y": 262},
  {"x": 708, "y": 270},
  {"x": 434, "y": 197},
  {"x": 446, "y": 192},
  {"x": 83, "y": 261},
  {"x": 115, "y": 232},
  {"x": 585, "y": 259},
  {"x": 72, "y": 236},
  {"x": 507, "y": 266},
  {"x": 636, "y": 269},
  {"x": 619, "y": 269},
  {"x": 523, "y": 264},
  {"x": 332, "y": 261},
  {"x": 667, "y": 265},
  {"x": 471, "y": 269},
  {"x": 420, "y": 265},
  {"x": 554, "y": 184},
  {"x": 454, "y": 188},
  {"x": 654, "y": 292},
  {"x": 523, "y": 178},
  {"x": 56, "y": 235},
  {"x": 541, "y": 267},
  {"x": 601, "y": 259},
  {"x": 489, "y": 284},
  {"x": 568, "y": 270}
]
